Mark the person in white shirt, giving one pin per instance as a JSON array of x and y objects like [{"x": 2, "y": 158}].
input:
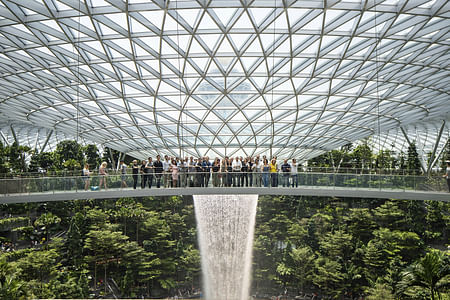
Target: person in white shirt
[
  {"x": 294, "y": 172},
  {"x": 123, "y": 174},
  {"x": 182, "y": 166},
  {"x": 257, "y": 166},
  {"x": 166, "y": 171},
  {"x": 236, "y": 165},
  {"x": 86, "y": 177}
]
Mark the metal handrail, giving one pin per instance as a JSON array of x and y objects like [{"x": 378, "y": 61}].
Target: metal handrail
[
  {"x": 341, "y": 170},
  {"x": 226, "y": 179}
]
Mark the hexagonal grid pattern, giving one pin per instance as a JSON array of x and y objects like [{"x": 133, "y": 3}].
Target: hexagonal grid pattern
[{"x": 287, "y": 78}]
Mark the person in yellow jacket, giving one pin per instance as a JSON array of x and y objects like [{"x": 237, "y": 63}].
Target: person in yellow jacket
[{"x": 274, "y": 172}]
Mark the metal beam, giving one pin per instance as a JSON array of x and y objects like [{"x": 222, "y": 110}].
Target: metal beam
[
  {"x": 46, "y": 140},
  {"x": 14, "y": 134},
  {"x": 432, "y": 161},
  {"x": 4, "y": 138},
  {"x": 118, "y": 160},
  {"x": 36, "y": 141}
]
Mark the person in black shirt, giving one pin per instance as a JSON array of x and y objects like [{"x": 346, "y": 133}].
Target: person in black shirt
[
  {"x": 250, "y": 171},
  {"x": 200, "y": 175},
  {"x": 135, "y": 168},
  {"x": 158, "y": 167},
  {"x": 244, "y": 173},
  {"x": 143, "y": 175},
  {"x": 229, "y": 168},
  {"x": 206, "y": 170}
]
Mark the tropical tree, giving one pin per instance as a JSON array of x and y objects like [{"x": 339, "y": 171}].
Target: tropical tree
[
  {"x": 432, "y": 272},
  {"x": 3, "y": 159},
  {"x": 363, "y": 155},
  {"x": 92, "y": 156},
  {"x": 385, "y": 160},
  {"x": 45, "y": 222},
  {"x": 380, "y": 292},
  {"x": 104, "y": 247},
  {"x": 303, "y": 259},
  {"x": 68, "y": 154},
  {"x": 11, "y": 287},
  {"x": 16, "y": 157},
  {"x": 413, "y": 162},
  {"x": 328, "y": 276}
]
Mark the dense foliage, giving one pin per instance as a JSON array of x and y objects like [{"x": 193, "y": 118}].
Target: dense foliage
[
  {"x": 73, "y": 248},
  {"x": 336, "y": 248},
  {"x": 348, "y": 248}
]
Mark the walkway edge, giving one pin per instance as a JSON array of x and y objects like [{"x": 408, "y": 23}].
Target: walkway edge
[{"x": 300, "y": 191}]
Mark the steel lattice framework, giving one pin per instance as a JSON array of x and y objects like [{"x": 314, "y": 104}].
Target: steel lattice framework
[{"x": 224, "y": 77}]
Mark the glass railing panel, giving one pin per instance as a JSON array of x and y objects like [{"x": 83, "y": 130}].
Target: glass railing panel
[{"x": 372, "y": 180}]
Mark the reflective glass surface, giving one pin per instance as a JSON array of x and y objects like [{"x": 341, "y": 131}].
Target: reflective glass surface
[{"x": 286, "y": 78}]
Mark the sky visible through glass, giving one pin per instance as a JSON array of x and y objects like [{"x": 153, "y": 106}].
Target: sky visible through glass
[{"x": 292, "y": 79}]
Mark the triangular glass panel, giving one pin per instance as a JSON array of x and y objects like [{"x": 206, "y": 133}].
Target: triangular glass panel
[
  {"x": 296, "y": 14},
  {"x": 249, "y": 62},
  {"x": 312, "y": 49},
  {"x": 255, "y": 47},
  {"x": 239, "y": 39},
  {"x": 224, "y": 14},
  {"x": 225, "y": 47},
  {"x": 210, "y": 40},
  {"x": 190, "y": 16},
  {"x": 314, "y": 24},
  {"x": 243, "y": 22},
  {"x": 170, "y": 24},
  {"x": 137, "y": 26},
  {"x": 195, "y": 47},
  {"x": 154, "y": 16},
  {"x": 167, "y": 49},
  {"x": 259, "y": 14},
  {"x": 280, "y": 23},
  {"x": 139, "y": 51},
  {"x": 237, "y": 68},
  {"x": 106, "y": 30},
  {"x": 207, "y": 23},
  {"x": 200, "y": 62}
]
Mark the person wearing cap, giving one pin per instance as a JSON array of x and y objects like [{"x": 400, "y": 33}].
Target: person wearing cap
[{"x": 447, "y": 175}]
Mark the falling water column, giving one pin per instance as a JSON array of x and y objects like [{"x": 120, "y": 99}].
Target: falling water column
[{"x": 225, "y": 228}]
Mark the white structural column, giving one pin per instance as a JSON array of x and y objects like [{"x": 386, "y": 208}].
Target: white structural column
[{"x": 433, "y": 159}]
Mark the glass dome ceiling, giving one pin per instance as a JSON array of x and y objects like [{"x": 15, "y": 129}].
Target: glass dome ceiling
[{"x": 286, "y": 78}]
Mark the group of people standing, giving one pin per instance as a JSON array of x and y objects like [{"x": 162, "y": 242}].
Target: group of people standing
[
  {"x": 226, "y": 172},
  {"x": 197, "y": 172}
]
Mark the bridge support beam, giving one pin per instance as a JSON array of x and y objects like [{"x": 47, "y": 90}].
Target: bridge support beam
[
  {"x": 13, "y": 132},
  {"x": 46, "y": 141},
  {"x": 432, "y": 160},
  {"x": 4, "y": 138}
]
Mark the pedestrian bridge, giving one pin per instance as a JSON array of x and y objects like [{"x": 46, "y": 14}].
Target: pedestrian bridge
[{"x": 42, "y": 189}]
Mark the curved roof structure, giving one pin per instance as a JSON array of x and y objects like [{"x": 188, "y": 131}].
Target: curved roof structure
[{"x": 194, "y": 77}]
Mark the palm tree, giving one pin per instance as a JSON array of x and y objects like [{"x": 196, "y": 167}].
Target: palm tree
[{"x": 432, "y": 272}]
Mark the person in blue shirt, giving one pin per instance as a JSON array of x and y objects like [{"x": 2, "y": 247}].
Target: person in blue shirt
[
  {"x": 207, "y": 170},
  {"x": 286, "y": 172}
]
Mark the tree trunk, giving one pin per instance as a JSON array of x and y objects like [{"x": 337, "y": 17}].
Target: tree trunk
[{"x": 95, "y": 275}]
